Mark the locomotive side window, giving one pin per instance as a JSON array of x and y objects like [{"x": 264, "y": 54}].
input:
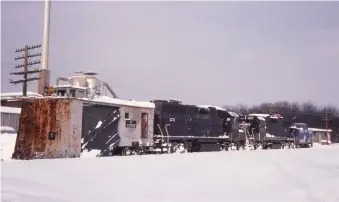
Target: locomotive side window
[
  {"x": 81, "y": 94},
  {"x": 126, "y": 115},
  {"x": 203, "y": 110},
  {"x": 61, "y": 92},
  {"x": 202, "y": 113}
]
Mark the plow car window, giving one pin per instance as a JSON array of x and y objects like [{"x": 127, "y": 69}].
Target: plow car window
[
  {"x": 126, "y": 115},
  {"x": 61, "y": 92},
  {"x": 72, "y": 93}
]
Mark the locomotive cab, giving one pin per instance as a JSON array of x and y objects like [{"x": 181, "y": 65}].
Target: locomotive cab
[
  {"x": 254, "y": 126},
  {"x": 277, "y": 126},
  {"x": 299, "y": 132},
  {"x": 230, "y": 125}
]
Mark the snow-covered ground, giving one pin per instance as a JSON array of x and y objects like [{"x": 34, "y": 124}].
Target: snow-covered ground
[
  {"x": 272, "y": 175},
  {"x": 7, "y": 143}
]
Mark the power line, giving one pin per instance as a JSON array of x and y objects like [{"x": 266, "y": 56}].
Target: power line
[{"x": 27, "y": 55}]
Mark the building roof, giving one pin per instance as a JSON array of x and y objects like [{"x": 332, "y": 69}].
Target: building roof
[
  {"x": 120, "y": 102},
  {"x": 15, "y": 95},
  {"x": 319, "y": 130}
]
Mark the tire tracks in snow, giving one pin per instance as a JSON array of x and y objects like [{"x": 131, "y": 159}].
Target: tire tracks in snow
[{"x": 305, "y": 186}]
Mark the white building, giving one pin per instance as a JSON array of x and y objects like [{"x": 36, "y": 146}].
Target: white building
[
  {"x": 10, "y": 117},
  {"x": 320, "y": 135}
]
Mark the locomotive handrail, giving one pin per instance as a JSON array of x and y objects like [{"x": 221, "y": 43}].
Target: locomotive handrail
[
  {"x": 168, "y": 147},
  {"x": 162, "y": 136}
]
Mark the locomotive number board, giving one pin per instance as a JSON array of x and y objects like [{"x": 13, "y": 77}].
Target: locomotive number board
[{"x": 131, "y": 124}]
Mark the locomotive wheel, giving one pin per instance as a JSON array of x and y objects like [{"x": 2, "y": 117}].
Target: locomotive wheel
[
  {"x": 232, "y": 147},
  {"x": 292, "y": 145},
  {"x": 224, "y": 147},
  {"x": 259, "y": 147},
  {"x": 179, "y": 148},
  {"x": 174, "y": 148},
  {"x": 241, "y": 146},
  {"x": 126, "y": 152}
]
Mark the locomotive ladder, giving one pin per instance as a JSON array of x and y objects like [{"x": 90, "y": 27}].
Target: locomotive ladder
[{"x": 250, "y": 138}]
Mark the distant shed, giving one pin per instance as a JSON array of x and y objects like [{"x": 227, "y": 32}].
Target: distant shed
[
  {"x": 10, "y": 117},
  {"x": 320, "y": 135}
]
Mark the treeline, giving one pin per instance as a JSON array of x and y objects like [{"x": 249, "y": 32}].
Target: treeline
[{"x": 306, "y": 112}]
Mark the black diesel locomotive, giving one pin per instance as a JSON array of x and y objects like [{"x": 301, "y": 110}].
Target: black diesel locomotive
[
  {"x": 194, "y": 128},
  {"x": 265, "y": 131}
]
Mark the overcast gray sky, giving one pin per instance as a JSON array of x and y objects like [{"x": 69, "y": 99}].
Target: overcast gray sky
[{"x": 198, "y": 52}]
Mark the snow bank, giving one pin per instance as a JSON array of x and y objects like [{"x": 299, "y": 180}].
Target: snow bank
[
  {"x": 7, "y": 145},
  {"x": 300, "y": 175},
  {"x": 7, "y": 129},
  {"x": 90, "y": 154}
]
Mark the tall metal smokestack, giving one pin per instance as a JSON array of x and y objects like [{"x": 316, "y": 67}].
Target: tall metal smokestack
[
  {"x": 44, "y": 80},
  {"x": 45, "y": 42}
]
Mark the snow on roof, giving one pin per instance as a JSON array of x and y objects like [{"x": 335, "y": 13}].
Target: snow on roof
[
  {"x": 259, "y": 115},
  {"x": 298, "y": 126},
  {"x": 274, "y": 117},
  {"x": 261, "y": 118},
  {"x": 115, "y": 101},
  {"x": 10, "y": 110},
  {"x": 233, "y": 114},
  {"x": 319, "y": 130},
  {"x": 174, "y": 100},
  {"x": 13, "y": 95},
  {"x": 70, "y": 86},
  {"x": 207, "y": 106}
]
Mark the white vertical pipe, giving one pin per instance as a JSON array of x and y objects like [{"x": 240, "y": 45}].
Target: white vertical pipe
[{"x": 45, "y": 42}]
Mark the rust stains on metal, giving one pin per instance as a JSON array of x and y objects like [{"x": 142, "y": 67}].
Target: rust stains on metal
[{"x": 41, "y": 124}]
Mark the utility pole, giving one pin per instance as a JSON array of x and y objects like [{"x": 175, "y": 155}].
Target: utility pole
[
  {"x": 326, "y": 119},
  {"x": 327, "y": 133},
  {"x": 270, "y": 106},
  {"x": 25, "y": 65}
]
